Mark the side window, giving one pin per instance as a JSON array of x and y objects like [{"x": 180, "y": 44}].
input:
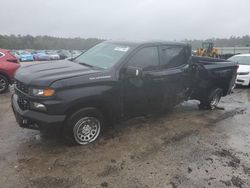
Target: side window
[
  {"x": 173, "y": 56},
  {"x": 1, "y": 54},
  {"x": 145, "y": 58}
]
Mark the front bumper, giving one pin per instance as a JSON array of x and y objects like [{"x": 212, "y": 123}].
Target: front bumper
[
  {"x": 34, "y": 120},
  {"x": 243, "y": 80}
]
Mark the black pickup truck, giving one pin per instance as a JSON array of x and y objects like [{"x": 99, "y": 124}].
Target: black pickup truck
[{"x": 114, "y": 81}]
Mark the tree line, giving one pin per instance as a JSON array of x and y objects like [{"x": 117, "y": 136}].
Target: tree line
[
  {"x": 233, "y": 41},
  {"x": 46, "y": 42},
  {"x": 50, "y": 43}
]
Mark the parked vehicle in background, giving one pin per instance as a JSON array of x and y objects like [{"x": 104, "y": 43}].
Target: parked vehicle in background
[
  {"x": 114, "y": 81},
  {"x": 8, "y": 66},
  {"x": 243, "y": 75},
  {"x": 53, "y": 55},
  {"x": 75, "y": 53},
  {"x": 63, "y": 54},
  {"x": 25, "y": 56},
  {"x": 15, "y": 53},
  {"x": 40, "y": 56}
]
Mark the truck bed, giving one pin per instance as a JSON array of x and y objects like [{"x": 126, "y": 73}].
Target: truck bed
[{"x": 211, "y": 72}]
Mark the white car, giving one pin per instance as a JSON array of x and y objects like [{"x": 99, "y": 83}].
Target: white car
[
  {"x": 243, "y": 74},
  {"x": 53, "y": 55}
]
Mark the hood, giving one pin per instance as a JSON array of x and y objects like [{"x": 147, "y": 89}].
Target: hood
[
  {"x": 43, "y": 74},
  {"x": 244, "y": 68}
]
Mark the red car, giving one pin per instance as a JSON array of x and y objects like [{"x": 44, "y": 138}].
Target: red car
[{"x": 8, "y": 66}]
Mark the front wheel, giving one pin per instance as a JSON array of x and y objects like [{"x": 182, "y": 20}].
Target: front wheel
[
  {"x": 4, "y": 84},
  {"x": 84, "y": 126},
  {"x": 211, "y": 101}
]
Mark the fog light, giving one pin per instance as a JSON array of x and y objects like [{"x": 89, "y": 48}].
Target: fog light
[{"x": 38, "y": 106}]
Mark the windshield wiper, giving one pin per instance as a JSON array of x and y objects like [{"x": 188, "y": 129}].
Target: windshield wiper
[
  {"x": 85, "y": 64},
  {"x": 88, "y": 65},
  {"x": 82, "y": 63}
]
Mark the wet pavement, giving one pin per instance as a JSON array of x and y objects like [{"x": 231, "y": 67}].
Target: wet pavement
[{"x": 184, "y": 148}]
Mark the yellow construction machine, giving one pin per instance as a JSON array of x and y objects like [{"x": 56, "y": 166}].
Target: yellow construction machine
[{"x": 208, "y": 50}]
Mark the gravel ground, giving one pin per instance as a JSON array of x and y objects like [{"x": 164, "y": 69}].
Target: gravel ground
[{"x": 184, "y": 148}]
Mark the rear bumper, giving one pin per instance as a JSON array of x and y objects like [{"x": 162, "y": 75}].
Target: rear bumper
[
  {"x": 34, "y": 120},
  {"x": 243, "y": 80}
]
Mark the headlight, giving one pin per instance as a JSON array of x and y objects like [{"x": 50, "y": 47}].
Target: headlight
[
  {"x": 48, "y": 92},
  {"x": 243, "y": 73}
]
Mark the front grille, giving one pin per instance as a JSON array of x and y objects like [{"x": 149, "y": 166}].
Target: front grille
[
  {"x": 23, "y": 102},
  {"x": 21, "y": 90},
  {"x": 21, "y": 86}
]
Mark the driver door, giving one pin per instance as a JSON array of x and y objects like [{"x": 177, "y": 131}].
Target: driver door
[{"x": 141, "y": 91}]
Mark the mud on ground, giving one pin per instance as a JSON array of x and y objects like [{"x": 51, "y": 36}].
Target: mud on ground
[{"x": 185, "y": 148}]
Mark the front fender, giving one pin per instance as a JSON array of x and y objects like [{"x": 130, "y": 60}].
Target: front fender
[{"x": 106, "y": 97}]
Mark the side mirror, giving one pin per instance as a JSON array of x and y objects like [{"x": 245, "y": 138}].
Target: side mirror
[{"x": 133, "y": 71}]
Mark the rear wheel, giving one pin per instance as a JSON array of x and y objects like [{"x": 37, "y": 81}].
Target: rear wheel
[
  {"x": 84, "y": 126},
  {"x": 211, "y": 101},
  {"x": 4, "y": 84}
]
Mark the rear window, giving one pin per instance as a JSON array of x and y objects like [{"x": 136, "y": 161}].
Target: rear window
[{"x": 173, "y": 56}]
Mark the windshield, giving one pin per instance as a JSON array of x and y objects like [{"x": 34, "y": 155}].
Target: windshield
[
  {"x": 103, "y": 55},
  {"x": 242, "y": 60}
]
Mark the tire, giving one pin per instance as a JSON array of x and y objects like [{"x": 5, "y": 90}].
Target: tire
[
  {"x": 91, "y": 123},
  {"x": 211, "y": 101},
  {"x": 4, "y": 84}
]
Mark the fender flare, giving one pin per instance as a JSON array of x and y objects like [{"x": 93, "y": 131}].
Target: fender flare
[{"x": 5, "y": 75}]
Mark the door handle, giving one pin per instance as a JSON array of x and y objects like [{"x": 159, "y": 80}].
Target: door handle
[{"x": 158, "y": 79}]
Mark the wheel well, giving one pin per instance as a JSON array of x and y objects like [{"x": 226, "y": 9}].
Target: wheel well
[
  {"x": 224, "y": 88},
  {"x": 224, "y": 85},
  {"x": 219, "y": 86},
  {"x": 6, "y": 76},
  {"x": 100, "y": 105}
]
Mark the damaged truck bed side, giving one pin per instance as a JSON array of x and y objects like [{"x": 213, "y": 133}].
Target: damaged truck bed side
[
  {"x": 114, "y": 81},
  {"x": 211, "y": 75}
]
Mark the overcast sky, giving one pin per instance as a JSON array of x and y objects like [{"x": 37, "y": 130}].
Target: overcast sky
[{"x": 126, "y": 19}]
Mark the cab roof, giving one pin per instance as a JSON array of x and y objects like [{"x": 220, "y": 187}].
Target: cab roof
[{"x": 139, "y": 43}]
